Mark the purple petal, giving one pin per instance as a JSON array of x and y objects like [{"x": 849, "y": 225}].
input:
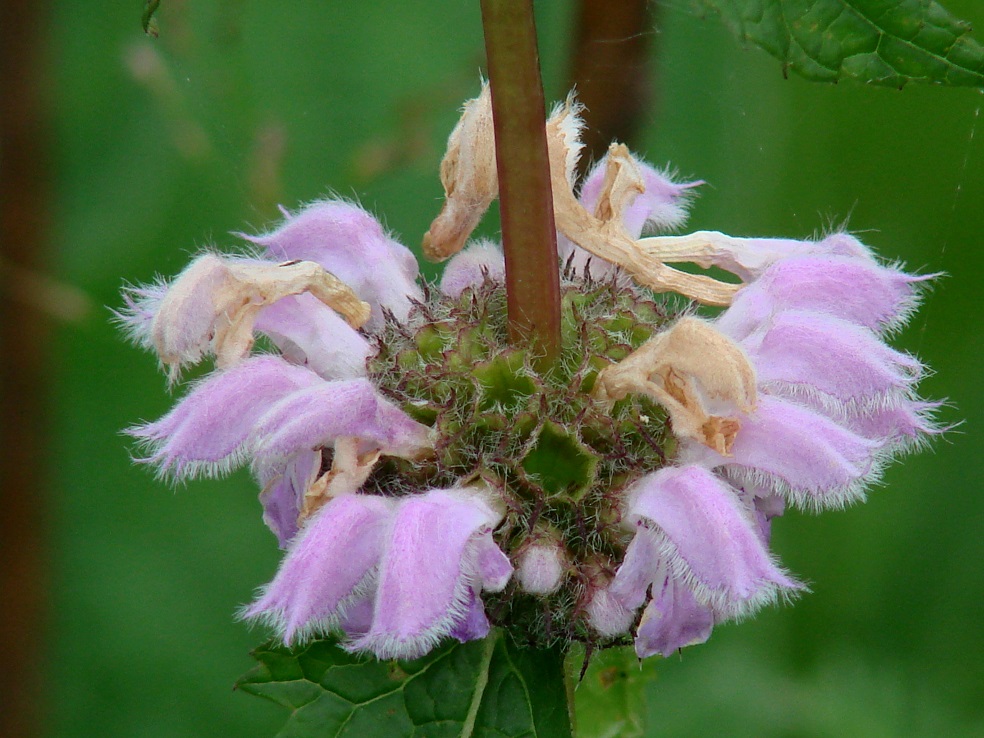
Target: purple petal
[
  {"x": 428, "y": 574},
  {"x": 329, "y": 561},
  {"x": 815, "y": 353},
  {"x": 351, "y": 244},
  {"x": 310, "y": 333},
  {"x": 475, "y": 624},
  {"x": 316, "y": 416},
  {"x": 799, "y": 453},
  {"x": 471, "y": 267},
  {"x": 207, "y": 432},
  {"x": 672, "y": 620},
  {"x": 494, "y": 567},
  {"x": 641, "y": 566},
  {"x": 284, "y": 485},
  {"x": 708, "y": 540},
  {"x": 851, "y": 289},
  {"x": 663, "y": 206}
]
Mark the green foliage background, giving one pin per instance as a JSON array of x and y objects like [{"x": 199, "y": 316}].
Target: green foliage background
[{"x": 164, "y": 146}]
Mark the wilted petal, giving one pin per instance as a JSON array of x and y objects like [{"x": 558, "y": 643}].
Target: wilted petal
[
  {"x": 284, "y": 485},
  {"x": 799, "y": 453},
  {"x": 213, "y": 304},
  {"x": 429, "y": 572},
  {"x": 140, "y": 305},
  {"x": 697, "y": 373},
  {"x": 317, "y": 415},
  {"x": 330, "y": 560},
  {"x": 707, "y": 539},
  {"x": 672, "y": 620},
  {"x": 310, "y": 333},
  {"x": 208, "y": 430},
  {"x": 469, "y": 177},
  {"x": 351, "y": 244},
  {"x": 661, "y": 205},
  {"x": 811, "y": 353},
  {"x": 470, "y": 268}
]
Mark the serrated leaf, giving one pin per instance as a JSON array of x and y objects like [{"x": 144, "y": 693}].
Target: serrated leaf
[
  {"x": 610, "y": 699},
  {"x": 887, "y": 42},
  {"x": 483, "y": 688}
]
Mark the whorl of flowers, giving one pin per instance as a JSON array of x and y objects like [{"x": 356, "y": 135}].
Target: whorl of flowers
[{"x": 412, "y": 461}]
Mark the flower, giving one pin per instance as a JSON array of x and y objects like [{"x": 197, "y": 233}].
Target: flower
[{"x": 411, "y": 459}]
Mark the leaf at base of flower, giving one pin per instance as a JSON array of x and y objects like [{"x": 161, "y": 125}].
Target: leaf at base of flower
[{"x": 486, "y": 687}]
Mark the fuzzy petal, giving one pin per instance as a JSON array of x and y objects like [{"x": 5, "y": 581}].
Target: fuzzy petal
[
  {"x": 798, "y": 453},
  {"x": 672, "y": 620},
  {"x": 541, "y": 568},
  {"x": 470, "y": 268},
  {"x": 284, "y": 485},
  {"x": 607, "y": 615},
  {"x": 428, "y": 573},
  {"x": 475, "y": 624},
  {"x": 327, "y": 563},
  {"x": 708, "y": 540},
  {"x": 809, "y": 352},
  {"x": 319, "y": 414},
  {"x": 661, "y": 207},
  {"x": 208, "y": 431},
  {"x": 310, "y": 333},
  {"x": 852, "y": 289},
  {"x": 351, "y": 244}
]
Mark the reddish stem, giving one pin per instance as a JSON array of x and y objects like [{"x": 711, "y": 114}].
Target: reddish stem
[{"x": 529, "y": 237}]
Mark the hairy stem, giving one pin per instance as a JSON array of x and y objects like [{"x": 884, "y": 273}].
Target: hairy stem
[{"x": 529, "y": 237}]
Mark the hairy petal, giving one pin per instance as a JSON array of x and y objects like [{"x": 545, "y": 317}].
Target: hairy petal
[
  {"x": 852, "y": 289},
  {"x": 428, "y": 574},
  {"x": 708, "y": 539},
  {"x": 317, "y": 415},
  {"x": 209, "y": 429},
  {"x": 330, "y": 558},
  {"x": 470, "y": 268},
  {"x": 817, "y": 353},
  {"x": 310, "y": 333},
  {"x": 672, "y": 620},
  {"x": 351, "y": 244},
  {"x": 798, "y": 453}
]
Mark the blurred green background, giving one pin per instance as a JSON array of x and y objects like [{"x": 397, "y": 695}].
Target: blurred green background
[{"x": 165, "y": 146}]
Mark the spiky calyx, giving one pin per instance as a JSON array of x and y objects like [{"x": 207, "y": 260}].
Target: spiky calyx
[{"x": 559, "y": 459}]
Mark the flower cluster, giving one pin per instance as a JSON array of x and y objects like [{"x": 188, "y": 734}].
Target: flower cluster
[{"x": 411, "y": 460}]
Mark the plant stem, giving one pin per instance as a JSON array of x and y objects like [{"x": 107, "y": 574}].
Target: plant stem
[{"x": 529, "y": 237}]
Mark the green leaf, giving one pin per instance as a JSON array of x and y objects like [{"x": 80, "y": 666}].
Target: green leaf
[
  {"x": 888, "y": 42},
  {"x": 484, "y": 688},
  {"x": 610, "y": 699},
  {"x": 147, "y": 19}
]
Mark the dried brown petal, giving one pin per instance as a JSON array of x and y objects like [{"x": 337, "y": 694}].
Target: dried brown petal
[
  {"x": 469, "y": 177},
  {"x": 690, "y": 369}
]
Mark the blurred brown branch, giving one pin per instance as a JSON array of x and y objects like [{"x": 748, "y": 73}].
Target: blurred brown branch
[
  {"x": 611, "y": 70},
  {"x": 23, "y": 397}
]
